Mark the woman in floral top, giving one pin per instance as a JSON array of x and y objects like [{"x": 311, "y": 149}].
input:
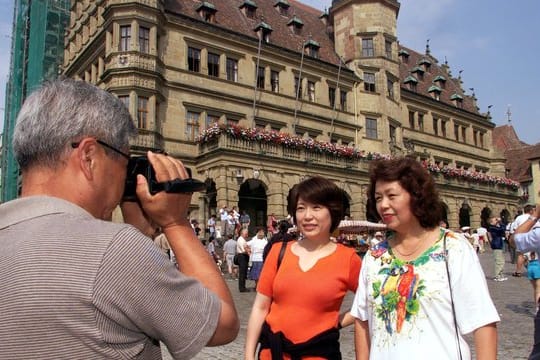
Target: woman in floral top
[{"x": 421, "y": 289}]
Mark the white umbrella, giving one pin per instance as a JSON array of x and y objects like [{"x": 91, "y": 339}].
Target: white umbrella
[{"x": 357, "y": 226}]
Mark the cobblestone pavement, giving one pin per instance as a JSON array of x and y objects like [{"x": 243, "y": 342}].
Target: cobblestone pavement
[{"x": 513, "y": 299}]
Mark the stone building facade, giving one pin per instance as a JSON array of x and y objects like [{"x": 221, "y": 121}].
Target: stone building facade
[{"x": 256, "y": 95}]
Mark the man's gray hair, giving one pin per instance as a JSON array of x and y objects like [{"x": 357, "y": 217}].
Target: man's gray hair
[{"x": 64, "y": 111}]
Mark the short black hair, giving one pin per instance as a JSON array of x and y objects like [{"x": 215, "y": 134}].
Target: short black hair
[{"x": 318, "y": 190}]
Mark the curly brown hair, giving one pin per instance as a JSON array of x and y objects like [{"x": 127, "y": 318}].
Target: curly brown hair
[
  {"x": 321, "y": 191},
  {"x": 416, "y": 180}
]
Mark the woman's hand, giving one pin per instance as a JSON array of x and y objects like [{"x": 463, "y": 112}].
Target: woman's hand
[{"x": 260, "y": 309}]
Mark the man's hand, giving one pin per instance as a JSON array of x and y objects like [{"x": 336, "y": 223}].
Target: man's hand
[
  {"x": 134, "y": 215},
  {"x": 165, "y": 209}
]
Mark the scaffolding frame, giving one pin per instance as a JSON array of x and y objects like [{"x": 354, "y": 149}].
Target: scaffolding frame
[{"x": 37, "y": 51}]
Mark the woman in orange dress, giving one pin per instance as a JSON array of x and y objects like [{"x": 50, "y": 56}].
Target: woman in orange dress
[{"x": 296, "y": 310}]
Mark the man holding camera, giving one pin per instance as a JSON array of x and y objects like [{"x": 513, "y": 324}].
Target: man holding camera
[{"x": 72, "y": 283}]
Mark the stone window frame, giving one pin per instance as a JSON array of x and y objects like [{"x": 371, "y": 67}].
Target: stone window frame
[
  {"x": 213, "y": 67},
  {"x": 192, "y": 124},
  {"x": 142, "y": 112},
  {"x": 274, "y": 80},
  {"x": 372, "y": 132},
  {"x": 124, "y": 40},
  {"x": 368, "y": 46},
  {"x": 234, "y": 73},
  {"x": 144, "y": 39},
  {"x": 195, "y": 64},
  {"x": 371, "y": 85}
]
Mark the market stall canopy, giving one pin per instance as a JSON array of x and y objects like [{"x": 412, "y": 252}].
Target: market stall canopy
[{"x": 356, "y": 226}]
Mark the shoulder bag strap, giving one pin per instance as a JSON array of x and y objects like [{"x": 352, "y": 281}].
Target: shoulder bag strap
[
  {"x": 281, "y": 253},
  {"x": 451, "y": 295}
]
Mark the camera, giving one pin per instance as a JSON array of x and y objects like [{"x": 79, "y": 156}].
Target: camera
[{"x": 141, "y": 165}]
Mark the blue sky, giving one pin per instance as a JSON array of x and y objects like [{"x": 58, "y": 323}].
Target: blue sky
[{"x": 494, "y": 42}]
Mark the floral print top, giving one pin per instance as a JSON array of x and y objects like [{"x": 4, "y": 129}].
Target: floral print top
[{"x": 408, "y": 304}]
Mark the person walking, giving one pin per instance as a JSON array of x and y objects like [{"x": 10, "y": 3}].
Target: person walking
[
  {"x": 223, "y": 217},
  {"x": 482, "y": 238},
  {"x": 533, "y": 274},
  {"x": 245, "y": 220},
  {"x": 271, "y": 224},
  {"x": 211, "y": 226},
  {"x": 497, "y": 231},
  {"x": 257, "y": 245},
  {"x": 527, "y": 238},
  {"x": 528, "y": 210},
  {"x": 243, "y": 251},
  {"x": 229, "y": 250}
]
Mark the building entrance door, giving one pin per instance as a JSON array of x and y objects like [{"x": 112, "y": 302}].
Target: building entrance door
[{"x": 252, "y": 200}]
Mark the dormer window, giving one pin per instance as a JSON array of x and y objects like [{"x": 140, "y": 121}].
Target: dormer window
[
  {"x": 311, "y": 48},
  {"x": 249, "y": 8},
  {"x": 207, "y": 11},
  {"x": 263, "y": 31},
  {"x": 419, "y": 72},
  {"x": 440, "y": 81},
  {"x": 324, "y": 17},
  {"x": 425, "y": 63},
  {"x": 435, "y": 92},
  {"x": 296, "y": 25},
  {"x": 404, "y": 56},
  {"x": 411, "y": 82},
  {"x": 457, "y": 100},
  {"x": 283, "y": 7}
]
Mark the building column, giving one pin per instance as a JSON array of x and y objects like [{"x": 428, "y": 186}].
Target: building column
[
  {"x": 134, "y": 41},
  {"x": 101, "y": 66},
  {"x": 153, "y": 41},
  {"x": 152, "y": 113}
]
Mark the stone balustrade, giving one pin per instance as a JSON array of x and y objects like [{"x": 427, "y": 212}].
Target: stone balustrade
[
  {"x": 147, "y": 140},
  {"x": 308, "y": 157}
]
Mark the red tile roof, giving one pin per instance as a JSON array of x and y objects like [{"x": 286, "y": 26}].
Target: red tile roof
[
  {"x": 452, "y": 85},
  {"x": 517, "y": 153},
  {"x": 230, "y": 16},
  {"x": 505, "y": 137}
]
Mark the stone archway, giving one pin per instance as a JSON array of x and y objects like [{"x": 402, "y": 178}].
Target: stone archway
[
  {"x": 371, "y": 216},
  {"x": 444, "y": 214},
  {"x": 210, "y": 198},
  {"x": 505, "y": 216},
  {"x": 346, "y": 204},
  {"x": 253, "y": 200},
  {"x": 485, "y": 214},
  {"x": 464, "y": 215}
]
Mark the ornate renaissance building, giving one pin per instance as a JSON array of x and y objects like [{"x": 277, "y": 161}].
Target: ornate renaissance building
[{"x": 255, "y": 95}]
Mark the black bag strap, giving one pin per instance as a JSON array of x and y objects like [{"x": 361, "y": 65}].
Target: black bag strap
[{"x": 281, "y": 254}]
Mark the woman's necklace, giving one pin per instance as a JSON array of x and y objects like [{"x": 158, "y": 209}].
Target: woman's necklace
[
  {"x": 417, "y": 247},
  {"x": 409, "y": 254}
]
